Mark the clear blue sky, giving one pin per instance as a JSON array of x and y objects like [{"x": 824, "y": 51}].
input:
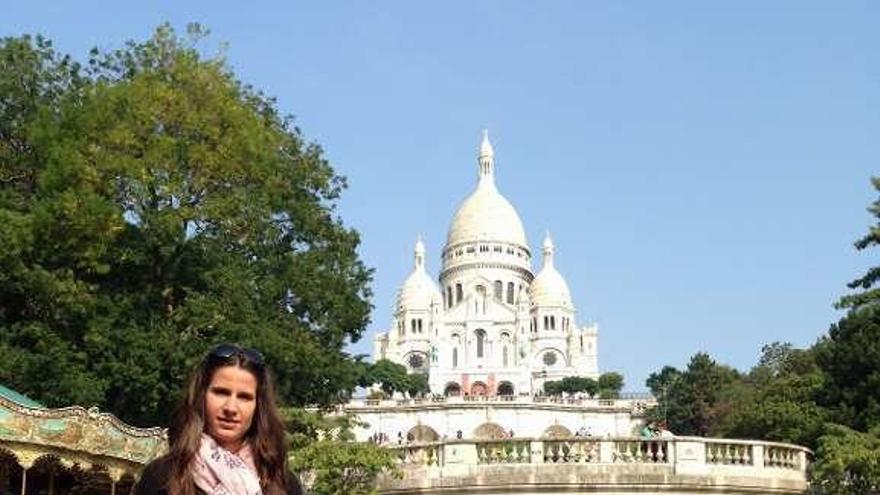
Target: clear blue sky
[{"x": 703, "y": 167}]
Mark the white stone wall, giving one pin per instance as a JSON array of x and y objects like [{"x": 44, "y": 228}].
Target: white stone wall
[{"x": 524, "y": 416}]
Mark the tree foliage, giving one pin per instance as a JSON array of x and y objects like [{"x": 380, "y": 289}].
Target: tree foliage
[
  {"x": 867, "y": 294},
  {"x": 417, "y": 384},
  {"x": 850, "y": 358},
  {"x": 610, "y": 384},
  {"x": 328, "y": 460},
  {"x": 849, "y": 355},
  {"x": 776, "y": 400},
  {"x": 393, "y": 377},
  {"x": 151, "y": 205},
  {"x": 692, "y": 401},
  {"x": 848, "y": 461},
  {"x": 571, "y": 385}
]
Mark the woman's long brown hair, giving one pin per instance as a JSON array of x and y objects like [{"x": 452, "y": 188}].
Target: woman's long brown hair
[{"x": 265, "y": 436}]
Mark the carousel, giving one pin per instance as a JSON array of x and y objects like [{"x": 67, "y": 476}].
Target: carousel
[{"x": 71, "y": 450}]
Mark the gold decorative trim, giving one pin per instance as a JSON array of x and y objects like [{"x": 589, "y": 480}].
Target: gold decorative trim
[{"x": 77, "y": 436}]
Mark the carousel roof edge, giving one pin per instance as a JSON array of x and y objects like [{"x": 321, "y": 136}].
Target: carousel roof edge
[
  {"x": 92, "y": 414},
  {"x": 18, "y": 397}
]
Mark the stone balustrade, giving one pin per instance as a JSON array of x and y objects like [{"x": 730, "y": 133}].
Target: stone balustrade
[
  {"x": 601, "y": 465},
  {"x": 625, "y": 400}
]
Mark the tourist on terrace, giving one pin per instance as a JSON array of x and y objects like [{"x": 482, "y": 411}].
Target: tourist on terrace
[
  {"x": 663, "y": 430},
  {"x": 649, "y": 431},
  {"x": 228, "y": 436}
]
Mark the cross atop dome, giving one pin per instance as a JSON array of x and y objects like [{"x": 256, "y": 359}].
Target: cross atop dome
[{"x": 486, "y": 159}]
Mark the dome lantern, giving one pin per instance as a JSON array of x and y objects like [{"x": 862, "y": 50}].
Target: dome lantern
[
  {"x": 419, "y": 254},
  {"x": 548, "y": 250},
  {"x": 486, "y": 159}
]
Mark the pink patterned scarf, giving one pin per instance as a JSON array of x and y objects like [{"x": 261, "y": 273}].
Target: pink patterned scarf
[{"x": 217, "y": 471}]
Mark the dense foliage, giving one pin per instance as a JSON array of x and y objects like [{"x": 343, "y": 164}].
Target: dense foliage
[
  {"x": 328, "y": 460},
  {"x": 393, "y": 377},
  {"x": 608, "y": 385},
  {"x": 825, "y": 397},
  {"x": 151, "y": 205}
]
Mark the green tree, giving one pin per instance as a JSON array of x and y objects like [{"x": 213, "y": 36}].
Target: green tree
[
  {"x": 417, "y": 384},
  {"x": 697, "y": 400},
  {"x": 334, "y": 467},
  {"x": 329, "y": 461},
  {"x": 154, "y": 207},
  {"x": 850, "y": 353},
  {"x": 660, "y": 381},
  {"x": 777, "y": 399},
  {"x": 847, "y": 462},
  {"x": 867, "y": 294},
  {"x": 35, "y": 299},
  {"x": 579, "y": 384},
  {"x": 571, "y": 385},
  {"x": 391, "y": 376},
  {"x": 610, "y": 384},
  {"x": 553, "y": 387}
]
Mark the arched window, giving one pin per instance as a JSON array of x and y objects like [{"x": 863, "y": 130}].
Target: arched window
[
  {"x": 448, "y": 296},
  {"x": 504, "y": 356},
  {"x": 481, "y": 338},
  {"x": 552, "y": 323},
  {"x": 546, "y": 323},
  {"x": 459, "y": 294},
  {"x": 499, "y": 289},
  {"x": 505, "y": 388},
  {"x": 452, "y": 388},
  {"x": 420, "y": 325},
  {"x": 455, "y": 357}
]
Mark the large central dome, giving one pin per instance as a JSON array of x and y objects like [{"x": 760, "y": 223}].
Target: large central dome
[{"x": 486, "y": 215}]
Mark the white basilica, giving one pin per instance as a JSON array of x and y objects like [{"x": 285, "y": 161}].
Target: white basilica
[{"x": 492, "y": 327}]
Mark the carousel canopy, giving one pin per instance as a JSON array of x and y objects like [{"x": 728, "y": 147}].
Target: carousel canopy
[{"x": 75, "y": 436}]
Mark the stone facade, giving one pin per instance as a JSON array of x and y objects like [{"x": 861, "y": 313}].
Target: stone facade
[
  {"x": 487, "y": 417},
  {"x": 492, "y": 326}
]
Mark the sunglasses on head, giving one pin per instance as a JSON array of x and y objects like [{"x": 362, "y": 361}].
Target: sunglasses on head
[{"x": 224, "y": 352}]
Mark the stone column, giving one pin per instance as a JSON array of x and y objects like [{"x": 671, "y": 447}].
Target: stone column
[
  {"x": 606, "y": 451},
  {"x": 758, "y": 456},
  {"x": 536, "y": 449},
  {"x": 690, "y": 457}
]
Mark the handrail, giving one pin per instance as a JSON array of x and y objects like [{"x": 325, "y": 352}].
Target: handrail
[
  {"x": 672, "y": 451},
  {"x": 625, "y": 400}
]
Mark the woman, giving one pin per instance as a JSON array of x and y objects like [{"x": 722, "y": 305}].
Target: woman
[{"x": 228, "y": 437}]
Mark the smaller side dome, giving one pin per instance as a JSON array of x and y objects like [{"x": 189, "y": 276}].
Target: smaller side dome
[
  {"x": 418, "y": 290},
  {"x": 549, "y": 287}
]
